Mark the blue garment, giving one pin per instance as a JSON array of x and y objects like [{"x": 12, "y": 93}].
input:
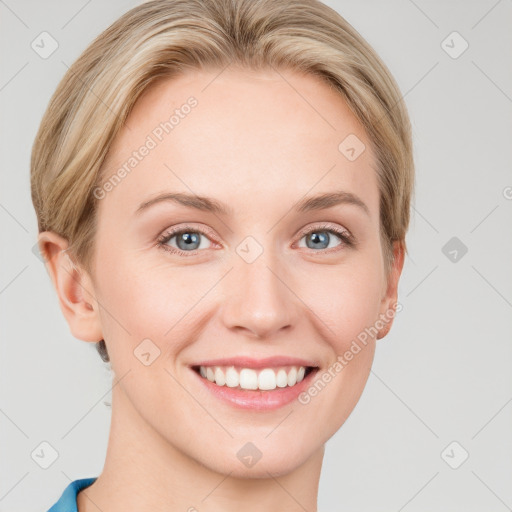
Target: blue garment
[{"x": 67, "y": 502}]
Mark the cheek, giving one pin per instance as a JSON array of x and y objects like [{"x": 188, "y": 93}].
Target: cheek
[
  {"x": 334, "y": 303},
  {"x": 345, "y": 299},
  {"x": 156, "y": 298},
  {"x": 144, "y": 298},
  {"x": 346, "y": 311}
]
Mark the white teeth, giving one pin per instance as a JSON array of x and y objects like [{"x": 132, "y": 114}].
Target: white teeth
[
  {"x": 267, "y": 379},
  {"x": 248, "y": 378},
  {"x": 232, "y": 378},
  {"x": 282, "y": 379},
  {"x": 292, "y": 377},
  {"x": 219, "y": 377}
]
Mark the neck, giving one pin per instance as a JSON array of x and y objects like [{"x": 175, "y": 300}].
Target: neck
[{"x": 145, "y": 472}]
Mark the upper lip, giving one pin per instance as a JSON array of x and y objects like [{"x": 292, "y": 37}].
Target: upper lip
[{"x": 250, "y": 362}]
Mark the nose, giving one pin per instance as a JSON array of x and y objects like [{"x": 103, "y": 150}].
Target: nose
[{"x": 258, "y": 300}]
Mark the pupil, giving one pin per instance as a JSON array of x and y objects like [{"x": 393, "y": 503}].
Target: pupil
[
  {"x": 319, "y": 239},
  {"x": 189, "y": 239}
]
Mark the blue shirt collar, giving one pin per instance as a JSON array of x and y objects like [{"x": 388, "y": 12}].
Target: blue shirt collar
[{"x": 67, "y": 501}]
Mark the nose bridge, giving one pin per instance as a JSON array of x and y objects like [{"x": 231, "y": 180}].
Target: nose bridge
[{"x": 257, "y": 298}]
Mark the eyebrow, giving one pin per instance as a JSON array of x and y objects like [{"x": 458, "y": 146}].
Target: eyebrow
[
  {"x": 191, "y": 200},
  {"x": 208, "y": 204},
  {"x": 329, "y": 199}
]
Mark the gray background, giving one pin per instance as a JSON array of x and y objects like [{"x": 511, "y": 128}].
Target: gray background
[{"x": 443, "y": 374}]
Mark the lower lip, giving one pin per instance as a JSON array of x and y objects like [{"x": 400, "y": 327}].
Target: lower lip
[{"x": 258, "y": 400}]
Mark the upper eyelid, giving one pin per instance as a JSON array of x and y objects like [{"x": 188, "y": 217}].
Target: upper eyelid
[
  {"x": 208, "y": 231},
  {"x": 173, "y": 232},
  {"x": 326, "y": 226}
]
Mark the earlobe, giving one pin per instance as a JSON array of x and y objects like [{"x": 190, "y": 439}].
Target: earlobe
[
  {"x": 74, "y": 288},
  {"x": 390, "y": 298}
]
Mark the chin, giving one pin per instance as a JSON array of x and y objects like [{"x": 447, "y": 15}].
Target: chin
[{"x": 260, "y": 459}]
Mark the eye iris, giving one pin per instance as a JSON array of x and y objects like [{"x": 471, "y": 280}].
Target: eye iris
[
  {"x": 318, "y": 239},
  {"x": 189, "y": 238}
]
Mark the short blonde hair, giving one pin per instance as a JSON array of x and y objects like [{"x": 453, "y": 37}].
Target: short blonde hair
[{"x": 163, "y": 38}]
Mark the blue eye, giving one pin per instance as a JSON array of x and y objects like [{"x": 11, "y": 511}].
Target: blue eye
[
  {"x": 320, "y": 238},
  {"x": 322, "y": 235},
  {"x": 189, "y": 240}
]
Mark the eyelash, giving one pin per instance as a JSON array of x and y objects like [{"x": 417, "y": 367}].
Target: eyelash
[{"x": 347, "y": 240}]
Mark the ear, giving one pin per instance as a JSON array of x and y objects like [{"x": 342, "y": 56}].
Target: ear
[
  {"x": 391, "y": 294},
  {"x": 74, "y": 288}
]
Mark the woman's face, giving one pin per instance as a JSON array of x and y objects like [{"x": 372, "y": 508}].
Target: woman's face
[{"x": 255, "y": 277}]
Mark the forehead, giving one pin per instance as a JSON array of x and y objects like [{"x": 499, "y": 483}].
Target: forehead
[{"x": 240, "y": 133}]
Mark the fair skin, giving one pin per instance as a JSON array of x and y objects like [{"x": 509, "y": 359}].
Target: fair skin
[{"x": 254, "y": 144}]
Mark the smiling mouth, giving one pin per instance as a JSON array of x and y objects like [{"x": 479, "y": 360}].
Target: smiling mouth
[{"x": 261, "y": 379}]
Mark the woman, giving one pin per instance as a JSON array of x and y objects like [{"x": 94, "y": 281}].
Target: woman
[{"x": 222, "y": 190}]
